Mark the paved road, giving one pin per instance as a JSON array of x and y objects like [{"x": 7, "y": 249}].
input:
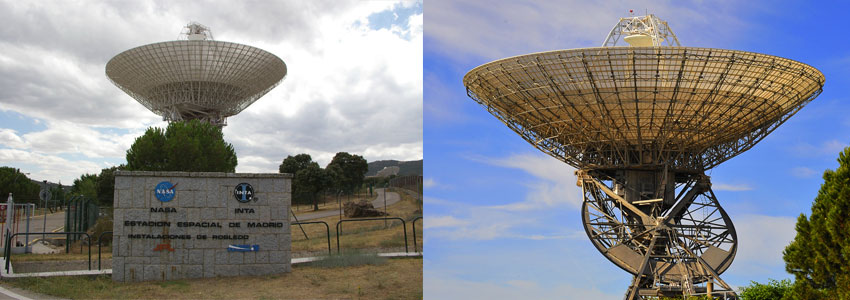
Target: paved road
[
  {"x": 392, "y": 198},
  {"x": 54, "y": 221}
]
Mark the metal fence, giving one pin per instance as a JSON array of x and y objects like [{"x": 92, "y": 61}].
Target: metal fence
[
  {"x": 339, "y": 228},
  {"x": 22, "y": 215},
  {"x": 9, "y": 236},
  {"x": 80, "y": 214}
]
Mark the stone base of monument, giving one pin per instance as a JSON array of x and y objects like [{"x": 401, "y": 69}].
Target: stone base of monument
[{"x": 175, "y": 225}]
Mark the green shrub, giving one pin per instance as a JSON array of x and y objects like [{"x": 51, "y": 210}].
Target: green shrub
[
  {"x": 102, "y": 225},
  {"x": 770, "y": 291}
]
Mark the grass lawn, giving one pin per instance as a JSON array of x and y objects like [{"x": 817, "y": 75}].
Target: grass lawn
[{"x": 394, "y": 279}]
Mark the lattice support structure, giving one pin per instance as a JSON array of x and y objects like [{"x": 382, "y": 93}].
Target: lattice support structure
[
  {"x": 674, "y": 244},
  {"x": 196, "y": 78}
]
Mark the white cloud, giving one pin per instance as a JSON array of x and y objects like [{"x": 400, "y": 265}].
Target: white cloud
[
  {"x": 456, "y": 30},
  {"x": 427, "y": 183},
  {"x": 349, "y": 88},
  {"x": 42, "y": 166},
  {"x": 479, "y": 223},
  {"x": 431, "y": 183},
  {"x": 10, "y": 138},
  {"x": 443, "y": 221},
  {"x": 483, "y": 223},
  {"x": 826, "y": 148},
  {"x": 761, "y": 240},
  {"x": 553, "y": 187},
  {"x": 803, "y": 172},
  {"x": 556, "y": 186},
  {"x": 739, "y": 187}
]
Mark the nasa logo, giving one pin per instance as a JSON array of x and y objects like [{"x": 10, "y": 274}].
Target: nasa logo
[
  {"x": 244, "y": 192},
  {"x": 164, "y": 191}
]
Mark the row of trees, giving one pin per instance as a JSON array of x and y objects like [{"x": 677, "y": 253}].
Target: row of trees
[
  {"x": 191, "y": 146},
  {"x": 24, "y": 189},
  {"x": 17, "y": 183},
  {"x": 97, "y": 186},
  {"x": 345, "y": 173},
  {"x": 196, "y": 146}
]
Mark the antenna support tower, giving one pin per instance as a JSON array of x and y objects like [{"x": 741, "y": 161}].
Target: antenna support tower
[
  {"x": 642, "y": 123},
  {"x": 196, "y": 77}
]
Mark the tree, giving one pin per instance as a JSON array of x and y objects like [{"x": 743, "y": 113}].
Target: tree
[
  {"x": 310, "y": 181},
  {"x": 293, "y": 164},
  {"x": 57, "y": 195},
  {"x": 105, "y": 186},
  {"x": 86, "y": 185},
  {"x": 192, "y": 146},
  {"x": 349, "y": 171},
  {"x": 819, "y": 256},
  {"x": 22, "y": 188}
]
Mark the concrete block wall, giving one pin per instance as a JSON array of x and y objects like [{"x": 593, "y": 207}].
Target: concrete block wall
[{"x": 155, "y": 240}]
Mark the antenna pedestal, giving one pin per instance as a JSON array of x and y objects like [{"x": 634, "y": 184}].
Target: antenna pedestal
[{"x": 672, "y": 235}]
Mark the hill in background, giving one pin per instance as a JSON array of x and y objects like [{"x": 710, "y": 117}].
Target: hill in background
[{"x": 413, "y": 167}]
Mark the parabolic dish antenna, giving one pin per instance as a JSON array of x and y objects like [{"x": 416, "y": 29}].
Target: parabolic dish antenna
[
  {"x": 642, "y": 123},
  {"x": 196, "y": 77}
]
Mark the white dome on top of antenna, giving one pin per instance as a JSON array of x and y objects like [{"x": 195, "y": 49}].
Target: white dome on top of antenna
[{"x": 639, "y": 40}]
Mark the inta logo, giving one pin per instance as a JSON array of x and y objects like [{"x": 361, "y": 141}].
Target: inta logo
[{"x": 244, "y": 193}]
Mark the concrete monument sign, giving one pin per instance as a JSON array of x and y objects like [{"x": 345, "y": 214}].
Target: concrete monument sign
[{"x": 173, "y": 225}]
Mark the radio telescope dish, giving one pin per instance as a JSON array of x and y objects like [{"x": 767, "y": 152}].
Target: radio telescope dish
[
  {"x": 642, "y": 123},
  {"x": 196, "y": 77}
]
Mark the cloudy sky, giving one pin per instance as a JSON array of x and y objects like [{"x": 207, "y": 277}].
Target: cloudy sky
[
  {"x": 354, "y": 80},
  {"x": 503, "y": 220}
]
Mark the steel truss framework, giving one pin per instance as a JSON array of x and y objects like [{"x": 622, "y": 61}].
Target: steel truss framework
[
  {"x": 196, "y": 79},
  {"x": 686, "y": 108},
  {"x": 671, "y": 247}
]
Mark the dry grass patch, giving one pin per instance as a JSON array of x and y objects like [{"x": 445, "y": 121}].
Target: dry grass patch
[
  {"x": 397, "y": 279},
  {"x": 329, "y": 203},
  {"x": 364, "y": 234}
]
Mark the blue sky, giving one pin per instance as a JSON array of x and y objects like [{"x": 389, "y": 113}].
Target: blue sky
[
  {"x": 503, "y": 220},
  {"x": 354, "y": 68}
]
